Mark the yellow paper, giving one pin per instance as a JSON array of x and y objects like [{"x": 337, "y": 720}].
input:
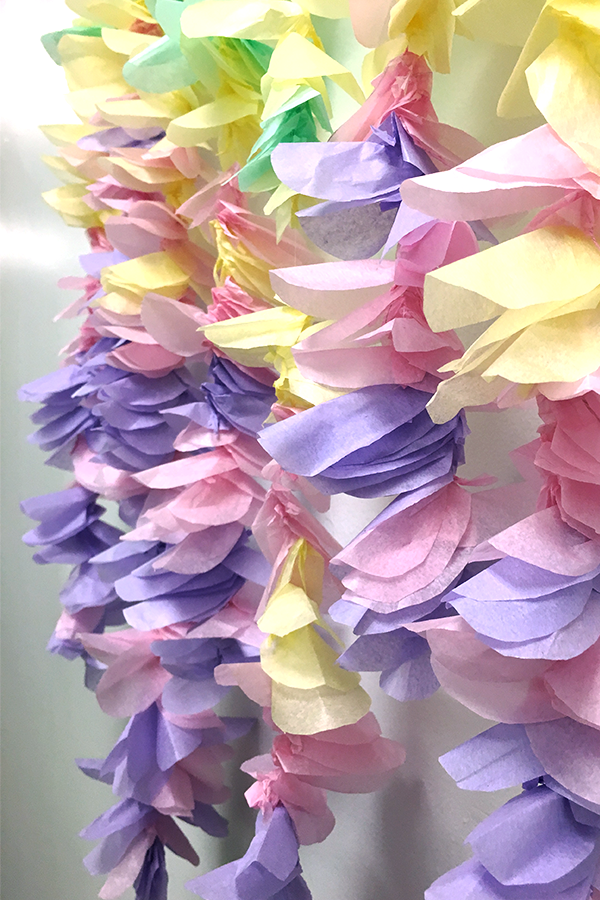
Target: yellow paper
[
  {"x": 236, "y": 261},
  {"x": 320, "y": 709},
  {"x": 249, "y": 338},
  {"x": 257, "y": 20},
  {"x": 429, "y": 29},
  {"x": 548, "y": 265},
  {"x": 302, "y": 659},
  {"x": 499, "y": 21},
  {"x": 565, "y": 87},
  {"x": 296, "y": 60},
  {"x": 135, "y": 278},
  {"x": 547, "y": 299},
  {"x": 288, "y": 609},
  {"x": 68, "y": 201}
]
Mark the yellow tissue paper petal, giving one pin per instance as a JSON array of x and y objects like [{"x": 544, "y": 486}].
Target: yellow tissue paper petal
[
  {"x": 154, "y": 272},
  {"x": 561, "y": 349},
  {"x": 150, "y": 109},
  {"x": 87, "y": 62},
  {"x": 117, "y": 13},
  {"x": 127, "y": 43},
  {"x": 68, "y": 201},
  {"x": 552, "y": 264},
  {"x": 462, "y": 391},
  {"x": 199, "y": 124},
  {"x": 302, "y": 659},
  {"x": 320, "y": 709},
  {"x": 63, "y": 135},
  {"x": 565, "y": 86},
  {"x": 296, "y": 59},
  {"x": 429, "y": 28},
  {"x": 289, "y": 608},
  {"x": 249, "y": 337},
  {"x": 257, "y": 20},
  {"x": 120, "y": 303},
  {"x": 327, "y": 9}
]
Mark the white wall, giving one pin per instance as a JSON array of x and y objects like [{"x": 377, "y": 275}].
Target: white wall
[{"x": 389, "y": 845}]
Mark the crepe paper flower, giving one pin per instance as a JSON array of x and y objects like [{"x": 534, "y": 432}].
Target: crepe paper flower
[
  {"x": 532, "y": 170},
  {"x": 133, "y": 678},
  {"x": 174, "y": 766},
  {"x": 353, "y": 759},
  {"x": 551, "y": 71},
  {"x": 373, "y": 442},
  {"x": 375, "y": 331},
  {"x": 70, "y": 529},
  {"x": 161, "y": 598},
  {"x": 546, "y": 308},
  {"x": 404, "y": 88},
  {"x": 427, "y": 29},
  {"x": 309, "y": 692},
  {"x": 248, "y": 246},
  {"x": 269, "y": 868},
  {"x": 498, "y": 758},
  {"x": 191, "y": 662},
  {"x": 234, "y": 398},
  {"x": 494, "y": 686},
  {"x": 368, "y": 196},
  {"x": 529, "y": 612},
  {"x": 65, "y": 640},
  {"x": 567, "y": 455},
  {"x": 306, "y": 805},
  {"x": 545, "y": 540},
  {"x": 402, "y": 658},
  {"x": 282, "y": 519},
  {"x": 203, "y": 491},
  {"x": 411, "y": 551},
  {"x": 575, "y": 775},
  {"x": 134, "y": 433},
  {"x": 127, "y": 831},
  {"x": 151, "y": 882},
  {"x": 107, "y": 481},
  {"x": 538, "y": 842}
]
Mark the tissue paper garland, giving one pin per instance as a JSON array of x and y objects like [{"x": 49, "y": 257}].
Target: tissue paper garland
[{"x": 204, "y": 319}]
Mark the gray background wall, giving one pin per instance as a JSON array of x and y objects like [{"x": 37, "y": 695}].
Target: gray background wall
[{"x": 387, "y": 845}]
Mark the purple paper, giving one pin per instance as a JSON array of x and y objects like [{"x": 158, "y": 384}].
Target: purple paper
[
  {"x": 269, "y": 868},
  {"x": 498, "y": 758},
  {"x": 376, "y": 441},
  {"x": 513, "y": 603},
  {"x": 360, "y": 180}
]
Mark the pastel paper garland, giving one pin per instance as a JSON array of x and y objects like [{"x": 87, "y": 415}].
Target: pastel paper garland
[{"x": 204, "y": 318}]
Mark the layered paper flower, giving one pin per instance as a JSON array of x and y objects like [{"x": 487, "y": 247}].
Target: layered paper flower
[{"x": 373, "y": 442}]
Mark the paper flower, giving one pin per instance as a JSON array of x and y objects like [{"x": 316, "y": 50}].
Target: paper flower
[
  {"x": 529, "y": 612},
  {"x": 538, "y": 842},
  {"x": 373, "y": 442},
  {"x": 546, "y": 309},
  {"x": 269, "y": 868},
  {"x": 404, "y": 88},
  {"x": 402, "y": 658},
  {"x": 173, "y": 764},
  {"x": 191, "y": 662},
  {"x": 128, "y": 830},
  {"x": 360, "y": 182},
  {"x": 567, "y": 457},
  {"x": 70, "y": 530},
  {"x": 306, "y": 805}
]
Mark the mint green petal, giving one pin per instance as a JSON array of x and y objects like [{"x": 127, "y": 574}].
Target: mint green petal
[
  {"x": 296, "y": 124},
  {"x": 50, "y": 40},
  {"x": 160, "y": 67}
]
